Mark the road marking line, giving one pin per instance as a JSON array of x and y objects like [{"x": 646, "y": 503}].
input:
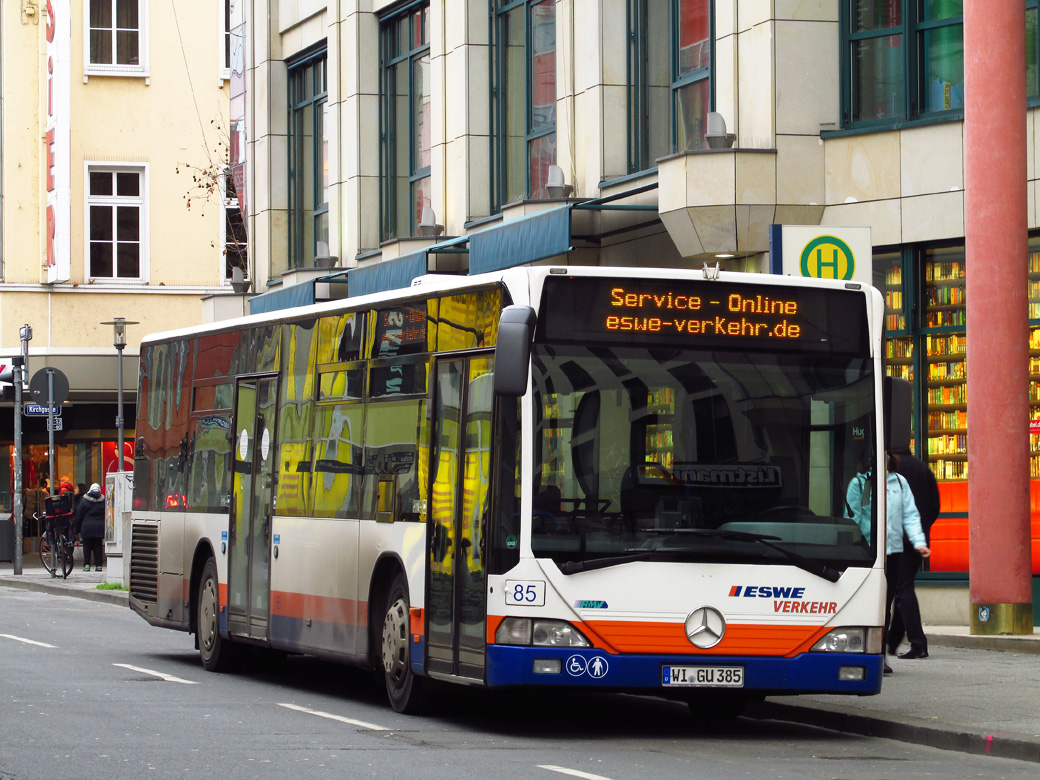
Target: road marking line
[
  {"x": 27, "y": 641},
  {"x": 572, "y": 772},
  {"x": 330, "y": 716},
  {"x": 160, "y": 675}
]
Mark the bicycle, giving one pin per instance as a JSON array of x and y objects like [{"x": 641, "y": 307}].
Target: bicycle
[{"x": 64, "y": 548}]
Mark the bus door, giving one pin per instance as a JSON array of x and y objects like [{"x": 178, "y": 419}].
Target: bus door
[
  {"x": 460, "y": 473},
  {"x": 249, "y": 562}
]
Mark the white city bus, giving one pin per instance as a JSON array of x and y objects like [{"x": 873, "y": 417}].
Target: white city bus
[{"x": 626, "y": 479}]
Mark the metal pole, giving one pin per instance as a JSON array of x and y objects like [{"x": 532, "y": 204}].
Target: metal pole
[
  {"x": 119, "y": 410},
  {"x": 50, "y": 445},
  {"x": 21, "y": 369},
  {"x": 16, "y": 377}
]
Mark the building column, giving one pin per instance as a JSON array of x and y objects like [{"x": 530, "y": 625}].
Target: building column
[{"x": 997, "y": 320}]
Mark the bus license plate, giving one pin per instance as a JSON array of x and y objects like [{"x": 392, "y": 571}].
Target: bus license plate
[{"x": 703, "y": 676}]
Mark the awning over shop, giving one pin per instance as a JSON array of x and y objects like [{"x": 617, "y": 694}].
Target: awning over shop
[
  {"x": 387, "y": 275},
  {"x": 520, "y": 241},
  {"x": 279, "y": 298}
]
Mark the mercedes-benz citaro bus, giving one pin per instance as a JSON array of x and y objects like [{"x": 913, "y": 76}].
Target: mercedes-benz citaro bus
[{"x": 623, "y": 479}]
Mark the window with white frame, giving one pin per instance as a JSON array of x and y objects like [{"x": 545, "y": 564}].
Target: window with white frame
[
  {"x": 225, "y": 37},
  {"x": 117, "y": 219},
  {"x": 233, "y": 231},
  {"x": 116, "y": 35}
]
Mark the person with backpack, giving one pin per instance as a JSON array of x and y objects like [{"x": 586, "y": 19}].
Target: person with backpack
[
  {"x": 90, "y": 525},
  {"x": 906, "y": 616}
]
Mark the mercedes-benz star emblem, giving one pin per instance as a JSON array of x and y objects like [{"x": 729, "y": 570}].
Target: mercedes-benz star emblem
[{"x": 705, "y": 627}]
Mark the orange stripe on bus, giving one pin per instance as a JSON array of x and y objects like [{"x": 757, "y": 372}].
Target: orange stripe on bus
[
  {"x": 740, "y": 638},
  {"x": 310, "y": 607}
]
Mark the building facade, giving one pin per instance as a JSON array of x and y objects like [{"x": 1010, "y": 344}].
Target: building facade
[
  {"x": 113, "y": 178},
  {"x": 388, "y": 138}
]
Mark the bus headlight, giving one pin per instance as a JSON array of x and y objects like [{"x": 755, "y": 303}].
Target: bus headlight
[
  {"x": 850, "y": 639},
  {"x": 539, "y": 633}
]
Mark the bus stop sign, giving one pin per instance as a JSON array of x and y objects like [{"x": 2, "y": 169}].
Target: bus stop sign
[{"x": 38, "y": 386}]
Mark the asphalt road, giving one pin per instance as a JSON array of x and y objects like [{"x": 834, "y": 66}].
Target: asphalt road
[{"x": 90, "y": 690}]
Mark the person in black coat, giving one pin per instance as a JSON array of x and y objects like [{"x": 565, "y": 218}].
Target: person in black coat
[
  {"x": 90, "y": 525},
  {"x": 906, "y": 615}
]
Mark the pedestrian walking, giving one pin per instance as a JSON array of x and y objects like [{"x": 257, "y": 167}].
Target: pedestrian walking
[
  {"x": 906, "y": 613},
  {"x": 903, "y": 520},
  {"x": 90, "y": 525}
]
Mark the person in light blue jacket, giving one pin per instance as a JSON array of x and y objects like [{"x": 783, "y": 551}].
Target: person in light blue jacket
[{"x": 903, "y": 519}]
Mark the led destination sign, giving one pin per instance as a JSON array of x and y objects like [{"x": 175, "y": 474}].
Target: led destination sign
[{"x": 704, "y": 314}]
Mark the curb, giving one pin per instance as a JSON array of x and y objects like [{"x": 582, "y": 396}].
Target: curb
[
  {"x": 1002, "y": 643},
  {"x": 902, "y": 729},
  {"x": 117, "y": 597}
]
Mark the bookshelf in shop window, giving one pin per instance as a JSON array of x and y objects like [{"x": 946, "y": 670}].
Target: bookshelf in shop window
[
  {"x": 899, "y": 344},
  {"x": 946, "y": 389},
  {"x": 1034, "y": 364}
]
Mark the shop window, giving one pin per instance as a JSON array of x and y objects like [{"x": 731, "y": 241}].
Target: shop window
[
  {"x": 405, "y": 121},
  {"x": 902, "y": 59},
  {"x": 523, "y": 76},
  {"x": 308, "y": 160}
]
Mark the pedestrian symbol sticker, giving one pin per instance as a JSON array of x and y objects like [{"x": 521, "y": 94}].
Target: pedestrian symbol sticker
[{"x": 596, "y": 667}]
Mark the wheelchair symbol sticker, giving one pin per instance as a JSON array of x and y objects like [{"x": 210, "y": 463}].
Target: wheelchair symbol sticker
[{"x": 595, "y": 667}]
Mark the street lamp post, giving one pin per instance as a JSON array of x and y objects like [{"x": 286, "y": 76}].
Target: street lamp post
[{"x": 119, "y": 327}]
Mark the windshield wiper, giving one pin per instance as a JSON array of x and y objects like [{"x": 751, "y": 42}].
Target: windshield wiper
[
  {"x": 573, "y": 567},
  {"x": 806, "y": 564}
]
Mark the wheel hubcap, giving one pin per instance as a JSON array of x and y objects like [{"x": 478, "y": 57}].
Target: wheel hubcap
[
  {"x": 207, "y": 616},
  {"x": 395, "y": 640}
]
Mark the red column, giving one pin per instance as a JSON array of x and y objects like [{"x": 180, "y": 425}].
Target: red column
[{"x": 997, "y": 320}]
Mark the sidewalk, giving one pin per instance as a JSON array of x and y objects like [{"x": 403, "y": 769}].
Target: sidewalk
[
  {"x": 80, "y": 583},
  {"x": 973, "y": 694}
]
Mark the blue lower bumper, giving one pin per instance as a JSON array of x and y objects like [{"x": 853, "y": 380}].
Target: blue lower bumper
[{"x": 804, "y": 673}]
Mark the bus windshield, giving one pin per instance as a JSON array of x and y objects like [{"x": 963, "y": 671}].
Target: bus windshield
[{"x": 701, "y": 455}]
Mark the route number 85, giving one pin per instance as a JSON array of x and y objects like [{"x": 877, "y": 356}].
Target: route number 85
[{"x": 525, "y": 593}]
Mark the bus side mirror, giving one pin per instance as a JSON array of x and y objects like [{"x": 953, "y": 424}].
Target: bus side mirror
[
  {"x": 899, "y": 406},
  {"x": 513, "y": 350}
]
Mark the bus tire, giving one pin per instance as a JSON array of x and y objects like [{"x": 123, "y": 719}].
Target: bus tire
[
  {"x": 403, "y": 688},
  {"x": 215, "y": 651}
]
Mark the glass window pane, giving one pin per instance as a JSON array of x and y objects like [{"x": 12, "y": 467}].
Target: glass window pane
[
  {"x": 100, "y": 183},
  {"x": 543, "y": 64},
  {"x": 691, "y": 116},
  {"x": 126, "y": 48},
  {"x": 126, "y": 14},
  {"x": 541, "y": 154},
  {"x": 512, "y": 134},
  {"x": 100, "y": 13},
  {"x": 128, "y": 184},
  {"x": 128, "y": 223},
  {"x": 658, "y": 84},
  {"x": 338, "y": 466},
  {"x": 100, "y": 259},
  {"x": 420, "y": 197},
  {"x": 128, "y": 263},
  {"x": 101, "y": 47},
  {"x": 876, "y": 14},
  {"x": 942, "y": 9},
  {"x": 943, "y": 58},
  {"x": 694, "y": 35},
  {"x": 877, "y": 83},
  {"x": 421, "y": 112},
  {"x": 100, "y": 223}
]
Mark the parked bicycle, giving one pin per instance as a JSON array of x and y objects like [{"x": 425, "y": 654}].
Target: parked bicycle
[
  {"x": 59, "y": 538},
  {"x": 57, "y": 534}
]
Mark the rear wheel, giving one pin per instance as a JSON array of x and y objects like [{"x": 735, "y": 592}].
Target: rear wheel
[
  {"x": 45, "y": 553},
  {"x": 403, "y": 688},
  {"x": 66, "y": 557},
  {"x": 215, "y": 651}
]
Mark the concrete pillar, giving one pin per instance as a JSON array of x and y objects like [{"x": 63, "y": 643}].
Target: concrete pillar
[{"x": 997, "y": 323}]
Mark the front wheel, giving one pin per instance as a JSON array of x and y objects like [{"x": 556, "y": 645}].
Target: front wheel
[
  {"x": 403, "y": 688},
  {"x": 215, "y": 651}
]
